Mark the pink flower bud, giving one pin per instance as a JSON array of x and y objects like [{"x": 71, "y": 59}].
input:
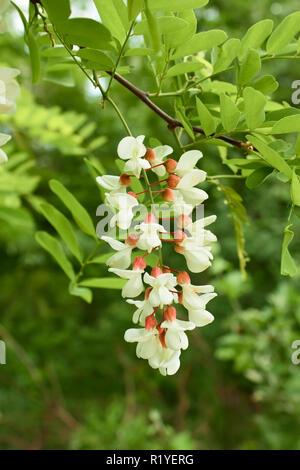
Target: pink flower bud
[
  {"x": 147, "y": 292},
  {"x": 170, "y": 313},
  {"x": 132, "y": 194},
  {"x": 166, "y": 269},
  {"x": 150, "y": 219},
  {"x": 150, "y": 322},
  {"x": 183, "y": 278},
  {"x": 139, "y": 263},
  {"x": 168, "y": 195},
  {"x": 125, "y": 180},
  {"x": 179, "y": 236},
  {"x": 173, "y": 181},
  {"x": 170, "y": 165},
  {"x": 156, "y": 272},
  {"x": 150, "y": 155},
  {"x": 183, "y": 221},
  {"x": 180, "y": 295},
  {"x": 162, "y": 334},
  {"x": 178, "y": 249},
  {"x": 132, "y": 239}
]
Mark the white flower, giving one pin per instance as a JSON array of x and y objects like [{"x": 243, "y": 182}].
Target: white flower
[
  {"x": 3, "y": 139},
  {"x": 111, "y": 183},
  {"x": 149, "y": 237},
  {"x": 124, "y": 203},
  {"x": 196, "y": 304},
  {"x": 144, "y": 308},
  {"x": 160, "y": 153},
  {"x": 187, "y": 162},
  {"x": 179, "y": 206},
  {"x": 176, "y": 337},
  {"x": 121, "y": 259},
  {"x": 148, "y": 341},
  {"x": 166, "y": 360},
  {"x": 134, "y": 287},
  {"x": 190, "y": 194},
  {"x": 161, "y": 286},
  {"x": 9, "y": 89},
  {"x": 133, "y": 149},
  {"x": 195, "y": 247}
]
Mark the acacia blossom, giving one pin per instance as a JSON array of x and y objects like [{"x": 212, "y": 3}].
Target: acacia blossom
[{"x": 160, "y": 292}]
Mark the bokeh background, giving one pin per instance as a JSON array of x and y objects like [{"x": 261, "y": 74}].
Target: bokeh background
[{"x": 71, "y": 382}]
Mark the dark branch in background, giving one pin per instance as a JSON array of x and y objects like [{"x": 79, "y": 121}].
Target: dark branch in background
[{"x": 172, "y": 122}]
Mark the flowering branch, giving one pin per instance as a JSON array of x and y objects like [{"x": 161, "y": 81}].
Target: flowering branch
[{"x": 172, "y": 122}]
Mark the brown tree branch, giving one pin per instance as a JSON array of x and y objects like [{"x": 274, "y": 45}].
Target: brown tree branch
[{"x": 172, "y": 122}]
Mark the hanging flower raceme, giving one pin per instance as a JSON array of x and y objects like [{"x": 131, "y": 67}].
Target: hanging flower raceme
[{"x": 159, "y": 292}]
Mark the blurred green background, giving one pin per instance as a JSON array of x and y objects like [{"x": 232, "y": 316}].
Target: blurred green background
[{"x": 71, "y": 382}]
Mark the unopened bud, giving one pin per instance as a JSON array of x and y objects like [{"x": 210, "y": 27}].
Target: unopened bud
[
  {"x": 179, "y": 236},
  {"x": 156, "y": 272},
  {"x": 150, "y": 322},
  {"x": 166, "y": 269},
  {"x": 183, "y": 221},
  {"x": 180, "y": 295},
  {"x": 183, "y": 278},
  {"x": 170, "y": 313},
  {"x": 132, "y": 239},
  {"x": 150, "y": 219},
  {"x": 168, "y": 195},
  {"x": 139, "y": 263},
  {"x": 147, "y": 292},
  {"x": 179, "y": 249},
  {"x": 132, "y": 194},
  {"x": 150, "y": 155},
  {"x": 173, "y": 181},
  {"x": 125, "y": 180},
  {"x": 162, "y": 334},
  {"x": 170, "y": 165}
]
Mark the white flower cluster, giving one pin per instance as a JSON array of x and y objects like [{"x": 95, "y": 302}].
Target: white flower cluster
[
  {"x": 9, "y": 91},
  {"x": 162, "y": 336}
]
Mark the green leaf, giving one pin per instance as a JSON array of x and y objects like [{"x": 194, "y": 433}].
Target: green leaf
[
  {"x": 230, "y": 113},
  {"x": 134, "y": 8},
  {"x": 288, "y": 266},
  {"x": 63, "y": 228},
  {"x": 258, "y": 176},
  {"x": 58, "y": 10},
  {"x": 207, "y": 121},
  {"x": 200, "y": 42},
  {"x": 249, "y": 67},
  {"x": 110, "y": 17},
  {"x": 227, "y": 54},
  {"x": 255, "y": 36},
  {"x": 287, "y": 125},
  {"x": 254, "y": 107},
  {"x": 184, "y": 67},
  {"x": 78, "y": 212},
  {"x": 104, "y": 283},
  {"x": 265, "y": 84},
  {"x": 166, "y": 24},
  {"x": 271, "y": 156},
  {"x": 184, "y": 34},
  {"x": 17, "y": 217},
  {"x": 86, "y": 32},
  {"x": 284, "y": 33},
  {"x": 175, "y": 5},
  {"x": 51, "y": 245},
  {"x": 186, "y": 125},
  {"x": 96, "y": 59},
  {"x": 100, "y": 259},
  {"x": 84, "y": 292},
  {"x": 153, "y": 29},
  {"x": 295, "y": 189},
  {"x": 139, "y": 51},
  {"x": 22, "y": 16},
  {"x": 34, "y": 56}
]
